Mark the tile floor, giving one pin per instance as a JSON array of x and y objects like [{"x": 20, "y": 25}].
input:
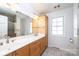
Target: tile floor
[{"x": 53, "y": 51}]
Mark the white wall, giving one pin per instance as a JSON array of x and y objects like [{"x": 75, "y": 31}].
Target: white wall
[
  {"x": 62, "y": 42},
  {"x": 78, "y": 29},
  {"x": 75, "y": 25}
]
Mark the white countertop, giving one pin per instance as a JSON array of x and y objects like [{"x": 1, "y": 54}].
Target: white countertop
[{"x": 18, "y": 43}]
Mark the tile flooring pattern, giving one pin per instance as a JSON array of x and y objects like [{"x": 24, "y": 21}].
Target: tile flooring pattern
[{"x": 53, "y": 51}]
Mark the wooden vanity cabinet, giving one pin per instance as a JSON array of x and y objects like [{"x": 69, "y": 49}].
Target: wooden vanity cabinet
[
  {"x": 43, "y": 44},
  {"x": 24, "y": 51},
  {"x": 46, "y": 41},
  {"x": 40, "y": 25},
  {"x": 38, "y": 47},
  {"x": 35, "y": 48},
  {"x": 35, "y": 23}
]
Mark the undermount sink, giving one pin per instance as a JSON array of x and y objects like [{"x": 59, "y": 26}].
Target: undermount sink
[{"x": 7, "y": 45}]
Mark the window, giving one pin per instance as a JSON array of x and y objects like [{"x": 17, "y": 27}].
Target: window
[{"x": 57, "y": 26}]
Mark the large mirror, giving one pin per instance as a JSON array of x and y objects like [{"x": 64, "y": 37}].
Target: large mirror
[{"x": 17, "y": 25}]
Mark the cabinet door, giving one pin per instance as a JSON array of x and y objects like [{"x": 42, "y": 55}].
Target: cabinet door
[
  {"x": 35, "y": 49},
  {"x": 46, "y": 41},
  {"x": 43, "y": 45},
  {"x": 35, "y": 22},
  {"x": 41, "y": 30},
  {"x": 46, "y": 25},
  {"x": 41, "y": 22},
  {"x": 35, "y": 30},
  {"x": 24, "y": 51}
]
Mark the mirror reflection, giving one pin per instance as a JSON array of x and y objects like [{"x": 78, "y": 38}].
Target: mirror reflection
[{"x": 17, "y": 25}]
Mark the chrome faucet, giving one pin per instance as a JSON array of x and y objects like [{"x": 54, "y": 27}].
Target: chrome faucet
[
  {"x": 7, "y": 38},
  {"x": 1, "y": 43}
]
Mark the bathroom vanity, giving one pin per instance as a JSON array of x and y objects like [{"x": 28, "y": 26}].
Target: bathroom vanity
[{"x": 29, "y": 45}]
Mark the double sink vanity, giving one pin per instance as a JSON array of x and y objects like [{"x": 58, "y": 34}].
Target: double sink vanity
[{"x": 28, "y": 45}]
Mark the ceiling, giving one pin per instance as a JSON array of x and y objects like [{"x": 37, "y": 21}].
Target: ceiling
[
  {"x": 44, "y": 8},
  {"x": 31, "y": 9},
  {"x": 41, "y": 8}
]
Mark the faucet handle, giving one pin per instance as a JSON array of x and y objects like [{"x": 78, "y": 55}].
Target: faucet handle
[
  {"x": 6, "y": 36},
  {"x": 1, "y": 43}
]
